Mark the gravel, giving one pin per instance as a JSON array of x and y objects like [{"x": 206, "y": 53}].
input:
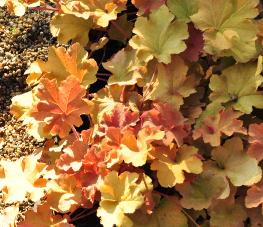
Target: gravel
[{"x": 22, "y": 41}]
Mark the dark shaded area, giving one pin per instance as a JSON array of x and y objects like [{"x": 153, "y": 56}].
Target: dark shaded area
[{"x": 85, "y": 219}]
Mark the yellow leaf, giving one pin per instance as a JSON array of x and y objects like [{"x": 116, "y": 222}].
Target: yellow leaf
[
  {"x": 117, "y": 202},
  {"x": 69, "y": 27},
  {"x": 44, "y": 217},
  {"x": 19, "y": 7},
  {"x": 63, "y": 195},
  {"x": 135, "y": 151},
  {"x": 99, "y": 11},
  {"x": 171, "y": 172},
  {"x": 25, "y": 181}
]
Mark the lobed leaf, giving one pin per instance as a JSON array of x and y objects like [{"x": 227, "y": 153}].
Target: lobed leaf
[
  {"x": 117, "y": 202},
  {"x": 60, "y": 107},
  {"x": 157, "y": 38},
  {"x": 228, "y": 27}
]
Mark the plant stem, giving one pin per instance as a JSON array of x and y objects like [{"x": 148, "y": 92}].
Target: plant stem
[
  {"x": 82, "y": 216},
  {"x": 120, "y": 30},
  {"x": 45, "y": 8},
  {"x": 103, "y": 74},
  {"x": 102, "y": 79},
  {"x": 76, "y": 134},
  {"x": 190, "y": 218}
]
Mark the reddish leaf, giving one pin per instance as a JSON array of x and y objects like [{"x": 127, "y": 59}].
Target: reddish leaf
[
  {"x": 120, "y": 117},
  {"x": 195, "y": 44},
  {"x": 255, "y": 133},
  {"x": 60, "y": 107},
  {"x": 71, "y": 160},
  {"x": 255, "y": 196},
  {"x": 146, "y": 6},
  {"x": 213, "y": 127},
  {"x": 94, "y": 161},
  {"x": 165, "y": 117}
]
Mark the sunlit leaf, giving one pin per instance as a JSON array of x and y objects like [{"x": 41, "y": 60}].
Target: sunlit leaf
[
  {"x": 116, "y": 202},
  {"x": 228, "y": 27},
  {"x": 158, "y": 38}
]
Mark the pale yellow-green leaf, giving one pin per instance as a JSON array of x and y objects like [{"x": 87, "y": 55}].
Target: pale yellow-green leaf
[
  {"x": 158, "y": 37},
  {"x": 228, "y": 27},
  {"x": 22, "y": 178},
  {"x": 168, "y": 213},
  {"x": 125, "y": 67},
  {"x": 22, "y": 104},
  {"x": 195, "y": 194},
  {"x": 69, "y": 27},
  {"x": 237, "y": 87}
]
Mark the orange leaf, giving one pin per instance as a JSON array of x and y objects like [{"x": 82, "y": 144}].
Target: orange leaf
[
  {"x": 255, "y": 196},
  {"x": 255, "y": 133},
  {"x": 164, "y": 116},
  {"x": 71, "y": 160},
  {"x": 44, "y": 218},
  {"x": 60, "y": 107},
  {"x": 63, "y": 63},
  {"x": 225, "y": 122}
]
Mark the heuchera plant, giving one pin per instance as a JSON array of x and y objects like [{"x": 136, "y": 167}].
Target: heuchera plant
[{"x": 174, "y": 134}]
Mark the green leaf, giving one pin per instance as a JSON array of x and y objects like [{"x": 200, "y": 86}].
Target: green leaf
[
  {"x": 183, "y": 9},
  {"x": 69, "y": 27}
]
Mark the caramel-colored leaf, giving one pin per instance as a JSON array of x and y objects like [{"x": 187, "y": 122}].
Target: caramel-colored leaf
[{"x": 63, "y": 63}]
